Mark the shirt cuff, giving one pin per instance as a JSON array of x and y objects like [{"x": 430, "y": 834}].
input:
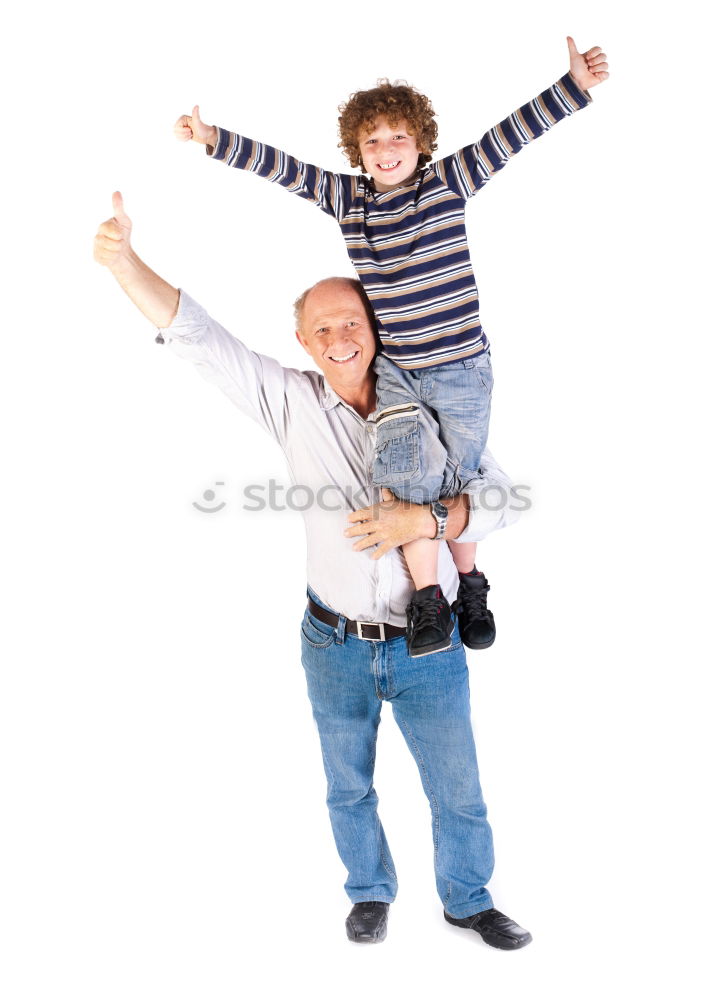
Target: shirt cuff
[
  {"x": 222, "y": 143},
  {"x": 577, "y": 97},
  {"x": 188, "y": 324},
  {"x": 496, "y": 502}
]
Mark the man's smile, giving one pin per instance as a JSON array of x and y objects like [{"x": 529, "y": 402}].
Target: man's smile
[{"x": 344, "y": 358}]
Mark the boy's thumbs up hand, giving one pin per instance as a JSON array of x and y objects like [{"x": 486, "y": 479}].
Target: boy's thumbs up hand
[
  {"x": 112, "y": 245},
  {"x": 191, "y": 127},
  {"x": 587, "y": 68}
]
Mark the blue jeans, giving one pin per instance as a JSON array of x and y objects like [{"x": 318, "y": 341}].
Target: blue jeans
[
  {"x": 347, "y": 680},
  {"x": 432, "y": 427}
]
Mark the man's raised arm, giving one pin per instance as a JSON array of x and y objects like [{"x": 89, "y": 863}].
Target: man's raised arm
[
  {"x": 258, "y": 385},
  {"x": 157, "y": 300}
]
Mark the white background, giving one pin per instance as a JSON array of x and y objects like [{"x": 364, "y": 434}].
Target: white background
[{"x": 164, "y": 831}]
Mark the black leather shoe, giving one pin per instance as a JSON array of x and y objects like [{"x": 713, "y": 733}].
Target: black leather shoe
[
  {"x": 477, "y": 625},
  {"x": 367, "y": 922},
  {"x": 495, "y": 929},
  {"x": 429, "y": 622}
]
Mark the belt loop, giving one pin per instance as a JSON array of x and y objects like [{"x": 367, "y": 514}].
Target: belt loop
[{"x": 341, "y": 633}]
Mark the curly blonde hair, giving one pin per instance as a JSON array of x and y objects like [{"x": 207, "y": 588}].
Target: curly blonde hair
[{"x": 395, "y": 102}]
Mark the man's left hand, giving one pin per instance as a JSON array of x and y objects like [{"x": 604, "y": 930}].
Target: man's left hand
[
  {"x": 587, "y": 68},
  {"x": 390, "y": 523}
]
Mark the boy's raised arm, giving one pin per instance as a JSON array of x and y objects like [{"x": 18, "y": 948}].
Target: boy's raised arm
[
  {"x": 468, "y": 170},
  {"x": 329, "y": 191}
]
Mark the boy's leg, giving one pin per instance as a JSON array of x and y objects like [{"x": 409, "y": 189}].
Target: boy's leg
[
  {"x": 421, "y": 558},
  {"x": 410, "y": 462},
  {"x": 346, "y": 707},
  {"x": 410, "y": 457},
  {"x": 460, "y": 396},
  {"x": 463, "y": 554}
]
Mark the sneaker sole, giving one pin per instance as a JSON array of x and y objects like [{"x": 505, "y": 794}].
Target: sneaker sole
[
  {"x": 479, "y": 645},
  {"x": 436, "y": 648},
  {"x": 433, "y": 649}
]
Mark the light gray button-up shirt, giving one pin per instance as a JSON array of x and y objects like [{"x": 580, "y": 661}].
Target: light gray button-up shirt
[{"x": 330, "y": 450}]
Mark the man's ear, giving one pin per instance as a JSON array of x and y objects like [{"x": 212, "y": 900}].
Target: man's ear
[{"x": 302, "y": 340}]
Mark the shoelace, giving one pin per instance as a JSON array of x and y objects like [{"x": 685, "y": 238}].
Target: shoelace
[
  {"x": 427, "y": 612},
  {"x": 475, "y": 602}
]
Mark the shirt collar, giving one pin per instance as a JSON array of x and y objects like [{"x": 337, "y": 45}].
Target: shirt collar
[{"x": 328, "y": 398}]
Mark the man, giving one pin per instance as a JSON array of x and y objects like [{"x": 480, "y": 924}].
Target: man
[{"x": 353, "y": 636}]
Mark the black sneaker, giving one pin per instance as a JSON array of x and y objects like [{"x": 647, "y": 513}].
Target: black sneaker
[
  {"x": 429, "y": 622},
  {"x": 477, "y": 625}
]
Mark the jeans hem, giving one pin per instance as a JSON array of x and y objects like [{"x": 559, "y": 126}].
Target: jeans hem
[
  {"x": 366, "y": 898},
  {"x": 468, "y": 912}
]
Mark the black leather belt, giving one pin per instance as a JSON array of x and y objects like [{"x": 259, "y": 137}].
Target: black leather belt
[{"x": 373, "y": 631}]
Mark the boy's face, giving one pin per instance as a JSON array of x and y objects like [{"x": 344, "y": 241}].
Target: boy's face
[{"x": 389, "y": 153}]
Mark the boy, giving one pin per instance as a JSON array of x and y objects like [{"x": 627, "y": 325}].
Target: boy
[{"x": 405, "y": 234}]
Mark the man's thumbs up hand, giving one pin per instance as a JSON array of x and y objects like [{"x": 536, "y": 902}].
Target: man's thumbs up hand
[
  {"x": 119, "y": 213},
  {"x": 112, "y": 245},
  {"x": 587, "y": 68},
  {"x": 191, "y": 127}
]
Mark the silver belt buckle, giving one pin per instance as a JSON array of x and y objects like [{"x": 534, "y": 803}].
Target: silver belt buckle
[{"x": 379, "y": 625}]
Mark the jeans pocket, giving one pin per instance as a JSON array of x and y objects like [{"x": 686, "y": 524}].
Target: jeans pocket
[
  {"x": 484, "y": 370},
  {"x": 316, "y": 633},
  {"x": 398, "y": 445}
]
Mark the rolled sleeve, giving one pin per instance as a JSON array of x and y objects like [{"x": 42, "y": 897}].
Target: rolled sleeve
[{"x": 493, "y": 505}]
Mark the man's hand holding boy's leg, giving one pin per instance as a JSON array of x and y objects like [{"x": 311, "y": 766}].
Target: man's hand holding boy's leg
[{"x": 394, "y": 522}]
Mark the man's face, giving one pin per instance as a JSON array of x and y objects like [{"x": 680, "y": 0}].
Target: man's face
[
  {"x": 389, "y": 153},
  {"x": 337, "y": 333}
]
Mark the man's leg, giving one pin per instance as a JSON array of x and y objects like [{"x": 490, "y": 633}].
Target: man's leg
[
  {"x": 341, "y": 686},
  {"x": 431, "y": 705}
]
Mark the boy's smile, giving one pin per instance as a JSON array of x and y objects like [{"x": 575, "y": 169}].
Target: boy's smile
[{"x": 389, "y": 153}]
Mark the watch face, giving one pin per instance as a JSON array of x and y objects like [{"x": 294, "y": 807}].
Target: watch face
[{"x": 439, "y": 509}]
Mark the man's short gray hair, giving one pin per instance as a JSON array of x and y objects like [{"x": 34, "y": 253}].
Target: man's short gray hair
[{"x": 352, "y": 282}]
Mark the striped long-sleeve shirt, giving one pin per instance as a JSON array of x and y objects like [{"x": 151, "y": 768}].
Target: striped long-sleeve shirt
[{"x": 409, "y": 245}]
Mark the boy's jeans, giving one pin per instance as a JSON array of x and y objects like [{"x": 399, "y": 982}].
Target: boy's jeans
[
  {"x": 432, "y": 427},
  {"x": 347, "y": 679}
]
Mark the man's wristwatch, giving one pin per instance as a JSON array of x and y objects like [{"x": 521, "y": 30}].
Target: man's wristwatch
[{"x": 439, "y": 512}]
